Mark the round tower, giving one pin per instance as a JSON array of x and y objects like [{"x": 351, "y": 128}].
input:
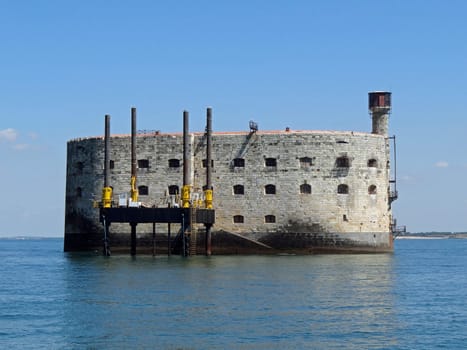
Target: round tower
[{"x": 379, "y": 104}]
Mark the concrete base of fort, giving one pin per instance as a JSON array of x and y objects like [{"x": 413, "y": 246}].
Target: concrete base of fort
[{"x": 228, "y": 243}]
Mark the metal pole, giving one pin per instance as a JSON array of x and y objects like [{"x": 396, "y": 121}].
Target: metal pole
[
  {"x": 133, "y": 238},
  {"x": 208, "y": 148},
  {"x": 186, "y": 154},
  {"x": 208, "y": 239},
  {"x": 133, "y": 141},
  {"x": 107, "y": 150},
  {"x": 153, "y": 239},
  {"x": 183, "y": 235},
  {"x": 169, "y": 243},
  {"x": 208, "y": 176},
  {"x": 106, "y": 235},
  {"x": 134, "y": 191}
]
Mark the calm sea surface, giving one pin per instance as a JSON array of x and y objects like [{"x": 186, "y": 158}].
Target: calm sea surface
[{"x": 413, "y": 299}]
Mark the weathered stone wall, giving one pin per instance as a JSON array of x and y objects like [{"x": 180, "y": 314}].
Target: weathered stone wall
[{"x": 363, "y": 209}]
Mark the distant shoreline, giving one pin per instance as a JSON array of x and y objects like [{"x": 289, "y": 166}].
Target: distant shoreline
[{"x": 433, "y": 235}]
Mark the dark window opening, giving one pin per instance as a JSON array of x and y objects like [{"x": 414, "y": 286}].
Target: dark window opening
[
  {"x": 306, "y": 162},
  {"x": 173, "y": 190},
  {"x": 112, "y": 164},
  {"x": 305, "y": 189},
  {"x": 372, "y": 189},
  {"x": 238, "y": 219},
  {"x": 372, "y": 163},
  {"x": 143, "y": 163},
  {"x": 270, "y": 189},
  {"x": 239, "y": 162},
  {"x": 205, "y": 163},
  {"x": 239, "y": 189},
  {"x": 80, "y": 167},
  {"x": 174, "y": 163},
  {"x": 342, "y": 162},
  {"x": 143, "y": 190},
  {"x": 343, "y": 189},
  {"x": 270, "y": 162},
  {"x": 79, "y": 192},
  {"x": 344, "y": 217},
  {"x": 269, "y": 219}
]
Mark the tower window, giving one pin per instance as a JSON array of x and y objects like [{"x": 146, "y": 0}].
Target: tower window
[
  {"x": 306, "y": 162},
  {"x": 238, "y": 189},
  {"x": 342, "y": 162},
  {"x": 79, "y": 192},
  {"x": 372, "y": 163},
  {"x": 80, "y": 167},
  {"x": 143, "y": 190},
  {"x": 270, "y": 189},
  {"x": 112, "y": 164},
  {"x": 174, "y": 163},
  {"x": 269, "y": 219},
  {"x": 239, "y": 162},
  {"x": 173, "y": 190},
  {"x": 270, "y": 162},
  {"x": 305, "y": 189},
  {"x": 238, "y": 219},
  {"x": 143, "y": 163},
  {"x": 372, "y": 189},
  {"x": 343, "y": 189}
]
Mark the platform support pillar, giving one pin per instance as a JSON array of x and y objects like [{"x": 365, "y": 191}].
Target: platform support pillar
[
  {"x": 133, "y": 238},
  {"x": 208, "y": 240}
]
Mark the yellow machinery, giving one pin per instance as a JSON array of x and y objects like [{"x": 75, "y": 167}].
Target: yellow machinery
[
  {"x": 208, "y": 199},
  {"x": 134, "y": 190},
  {"x": 106, "y": 197},
  {"x": 186, "y": 196}
]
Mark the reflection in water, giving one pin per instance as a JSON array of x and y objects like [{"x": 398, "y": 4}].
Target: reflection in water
[{"x": 254, "y": 302}]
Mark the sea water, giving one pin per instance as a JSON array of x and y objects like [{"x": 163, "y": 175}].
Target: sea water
[{"x": 412, "y": 299}]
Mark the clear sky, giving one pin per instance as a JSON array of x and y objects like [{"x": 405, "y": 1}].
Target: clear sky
[{"x": 302, "y": 64}]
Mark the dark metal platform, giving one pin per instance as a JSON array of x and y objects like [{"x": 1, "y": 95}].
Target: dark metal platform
[{"x": 157, "y": 215}]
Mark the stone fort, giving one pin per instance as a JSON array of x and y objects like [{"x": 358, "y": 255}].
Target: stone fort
[{"x": 288, "y": 190}]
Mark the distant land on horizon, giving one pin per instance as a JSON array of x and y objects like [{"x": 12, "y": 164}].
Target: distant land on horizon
[
  {"x": 434, "y": 234},
  {"x": 446, "y": 234}
]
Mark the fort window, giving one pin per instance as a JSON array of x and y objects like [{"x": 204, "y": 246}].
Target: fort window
[
  {"x": 372, "y": 163},
  {"x": 239, "y": 189},
  {"x": 143, "y": 163},
  {"x": 174, "y": 163},
  {"x": 238, "y": 219},
  {"x": 80, "y": 167},
  {"x": 143, "y": 190},
  {"x": 79, "y": 192},
  {"x": 342, "y": 162},
  {"x": 305, "y": 189},
  {"x": 239, "y": 162},
  {"x": 306, "y": 162},
  {"x": 343, "y": 189},
  {"x": 372, "y": 189},
  {"x": 112, "y": 164},
  {"x": 205, "y": 163},
  {"x": 270, "y": 162},
  {"x": 270, "y": 189},
  {"x": 269, "y": 219},
  {"x": 173, "y": 190}
]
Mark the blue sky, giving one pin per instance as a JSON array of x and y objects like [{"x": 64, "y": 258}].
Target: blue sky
[{"x": 302, "y": 64}]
